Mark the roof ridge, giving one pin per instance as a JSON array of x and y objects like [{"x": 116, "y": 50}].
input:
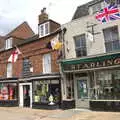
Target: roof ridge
[{"x": 25, "y": 22}]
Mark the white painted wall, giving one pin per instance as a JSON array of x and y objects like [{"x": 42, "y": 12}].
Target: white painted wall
[{"x": 79, "y": 26}]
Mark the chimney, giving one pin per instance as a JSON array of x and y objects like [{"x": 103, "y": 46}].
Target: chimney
[{"x": 43, "y": 16}]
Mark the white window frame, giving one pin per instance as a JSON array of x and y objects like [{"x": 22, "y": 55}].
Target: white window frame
[
  {"x": 47, "y": 63},
  {"x": 8, "y": 43},
  {"x": 43, "y": 33},
  {"x": 9, "y": 70}
]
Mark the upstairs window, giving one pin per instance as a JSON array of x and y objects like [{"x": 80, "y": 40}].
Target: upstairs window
[
  {"x": 47, "y": 63},
  {"x": 8, "y": 43},
  {"x": 9, "y": 70},
  {"x": 111, "y": 39},
  {"x": 44, "y": 29},
  {"x": 26, "y": 67},
  {"x": 96, "y": 7},
  {"x": 80, "y": 45}
]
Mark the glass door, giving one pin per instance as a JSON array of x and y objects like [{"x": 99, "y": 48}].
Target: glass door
[{"x": 82, "y": 93}]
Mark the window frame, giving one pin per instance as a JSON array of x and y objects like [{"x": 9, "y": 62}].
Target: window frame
[
  {"x": 112, "y": 40},
  {"x": 26, "y": 67},
  {"x": 9, "y": 70},
  {"x": 8, "y": 43},
  {"x": 42, "y": 31},
  {"x": 82, "y": 47},
  {"x": 45, "y": 65}
]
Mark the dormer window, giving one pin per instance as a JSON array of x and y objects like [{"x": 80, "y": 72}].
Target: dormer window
[
  {"x": 44, "y": 29},
  {"x": 8, "y": 43},
  {"x": 93, "y": 9}
]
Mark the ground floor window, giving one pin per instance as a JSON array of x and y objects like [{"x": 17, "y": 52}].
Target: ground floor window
[
  {"x": 8, "y": 91},
  {"x": 69, "y": 86},
  {"x": 46, "y": 91},
  {"x": 106, "y": 85}
]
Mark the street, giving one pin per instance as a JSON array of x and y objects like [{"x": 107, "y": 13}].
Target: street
[{"x": 16, "y": 113}]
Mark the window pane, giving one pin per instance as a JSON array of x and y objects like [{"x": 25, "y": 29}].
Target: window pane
[
  {"x": 8, "y": 43},
  {"x": 111, "y": 38},
  {"x": 9, "y": 70},
  {"x": 41, "y": 30},
  {"x": 111, "y": 34},
  {"x": 26, "y": 67},
  {"x": 46, "y": 29},
  {"x": 47, "y": 63},
  {"x": 77, "y": 43},
  {"x": 43, "y": 89},
  {"x": 82, "y": 90},
  {"x": 108, "y": 46},
  {"x": 80, "y": 45},
  {"x": 107, "y": 85},
  {"x": 116, "y": 45},
  {"x": 9, "y": 91}
]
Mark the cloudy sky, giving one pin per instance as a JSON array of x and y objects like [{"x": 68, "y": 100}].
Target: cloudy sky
[{"x": 14, "y": 12}]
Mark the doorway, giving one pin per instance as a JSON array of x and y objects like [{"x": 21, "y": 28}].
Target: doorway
[
  {"x": 81, "y": 93},
  {"x": 25, "y": 94}
]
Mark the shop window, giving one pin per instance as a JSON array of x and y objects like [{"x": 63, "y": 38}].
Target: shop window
[
  {"x": 80, "y": 45},
  {"x": 69, "y": 86},
  {"x": 44, "y": 90},
  {"x": 8, "y": 91},
  {"x": 47, "y": 63},
  {"x": 106, "y": 85},
  {"x": 111, "y": 37}
]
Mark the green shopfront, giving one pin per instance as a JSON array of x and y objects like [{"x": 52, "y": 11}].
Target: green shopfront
[{"x": 92, "y": 82}]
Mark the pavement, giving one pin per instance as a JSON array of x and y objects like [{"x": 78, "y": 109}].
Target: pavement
[{"x": 17, "y": 113}]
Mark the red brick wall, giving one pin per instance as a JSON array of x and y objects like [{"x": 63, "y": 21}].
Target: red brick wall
[{"x": 34, "y": 51}]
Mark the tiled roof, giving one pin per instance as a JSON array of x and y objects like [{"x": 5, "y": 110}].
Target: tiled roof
[
  {"x": 36, "y": 37},
  {"x": 23, "y": 31}
]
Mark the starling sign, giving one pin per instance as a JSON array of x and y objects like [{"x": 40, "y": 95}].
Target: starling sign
[{"x": 91, "y": 63}]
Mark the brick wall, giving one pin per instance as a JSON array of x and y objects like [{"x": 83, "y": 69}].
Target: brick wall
[{"x": 34, "y": 51}]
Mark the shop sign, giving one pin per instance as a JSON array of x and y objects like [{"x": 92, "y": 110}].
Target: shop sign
[{"x": 97, "y": 64}]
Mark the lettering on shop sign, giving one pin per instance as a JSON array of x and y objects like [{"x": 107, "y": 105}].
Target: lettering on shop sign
[{"x": 111, "y": 62}]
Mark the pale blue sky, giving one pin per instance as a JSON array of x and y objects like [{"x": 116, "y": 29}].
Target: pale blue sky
[{"x": 14, "y": 12}]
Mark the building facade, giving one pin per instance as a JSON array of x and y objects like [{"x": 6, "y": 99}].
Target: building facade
[
  {"x": 9, "y": 94},
  {"x": 34, "y": 77},
  {"x": 91, "y": 65}
]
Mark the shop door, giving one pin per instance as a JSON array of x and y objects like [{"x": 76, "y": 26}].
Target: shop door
[
  {"x": 25, "y": 94},
  {"x": 82, "y": 93}
]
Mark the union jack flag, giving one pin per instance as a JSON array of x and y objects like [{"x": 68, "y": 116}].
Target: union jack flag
[{"x": 107, "y": 14}]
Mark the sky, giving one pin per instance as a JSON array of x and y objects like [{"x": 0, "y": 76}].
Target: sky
[{"x": 15, "y": 12}]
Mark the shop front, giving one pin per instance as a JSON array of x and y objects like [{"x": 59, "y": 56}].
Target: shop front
[
  {"x": 41, "y": 91},
  {"x": 47, "y": 91},
  {"x": 93, "y": 82},
  {"x": 9, "y": 92}
]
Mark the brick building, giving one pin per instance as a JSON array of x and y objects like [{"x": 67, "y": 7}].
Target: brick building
[{"x": 36, "y": 68}]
